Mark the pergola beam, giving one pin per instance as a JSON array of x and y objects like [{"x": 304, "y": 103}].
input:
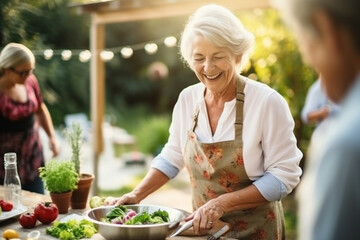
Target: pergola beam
[{"x": 179, "y": 8}]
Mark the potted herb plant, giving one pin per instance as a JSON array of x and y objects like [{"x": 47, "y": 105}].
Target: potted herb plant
[
  {"x": 80, "y": 195},
  {"x": 60, "y": 179}
]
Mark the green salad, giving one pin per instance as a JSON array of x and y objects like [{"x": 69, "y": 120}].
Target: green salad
[
  {"x": 124, "y": 215},
  {"x": 72, "y": 229}
]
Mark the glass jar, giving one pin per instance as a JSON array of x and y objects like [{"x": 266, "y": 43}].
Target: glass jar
[{"x": 12, "y": 184}]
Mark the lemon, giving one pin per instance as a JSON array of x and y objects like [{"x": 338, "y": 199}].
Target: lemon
[{"x": 10, "y": 234}]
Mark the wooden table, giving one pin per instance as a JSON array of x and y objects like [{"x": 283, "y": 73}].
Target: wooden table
[{"x": 30, "y": 199}]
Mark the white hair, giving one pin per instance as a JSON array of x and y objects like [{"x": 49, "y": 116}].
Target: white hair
[
  {"x": 219, "y": 26},
  {"x": 15, "y": 54}
]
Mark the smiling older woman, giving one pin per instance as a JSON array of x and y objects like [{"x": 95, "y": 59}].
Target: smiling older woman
[{"x": 233, "y": 135}]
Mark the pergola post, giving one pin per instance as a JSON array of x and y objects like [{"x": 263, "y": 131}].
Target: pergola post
[{"x": 97, "y": 90}]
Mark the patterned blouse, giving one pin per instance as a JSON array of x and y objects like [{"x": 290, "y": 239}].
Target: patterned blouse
[{"x": 19, "y": 132}]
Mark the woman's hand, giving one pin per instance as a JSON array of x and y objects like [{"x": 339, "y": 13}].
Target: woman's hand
[
  {"x": 128, "y": 198},
  {"x": 54, "y": 146},
  {"x": 206, "y": 216},
  {"x": 153, "y": 180}
]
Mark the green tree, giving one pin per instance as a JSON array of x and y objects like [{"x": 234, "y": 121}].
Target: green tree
[
  {"x": 43, "y": 24},
  {"x": 277, "y": 62}
]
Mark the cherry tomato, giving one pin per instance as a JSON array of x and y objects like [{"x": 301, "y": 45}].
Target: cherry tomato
[
  {"x": 46, "y": 212},
  {"x": 27, "y": 220},
  {"x": 6, "y": 206}
]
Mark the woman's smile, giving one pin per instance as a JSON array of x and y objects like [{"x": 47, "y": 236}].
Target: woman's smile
[{"x": 212, "y": 77}]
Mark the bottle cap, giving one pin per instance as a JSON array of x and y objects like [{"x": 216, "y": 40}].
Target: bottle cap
[{"x": 9, "y": 158}]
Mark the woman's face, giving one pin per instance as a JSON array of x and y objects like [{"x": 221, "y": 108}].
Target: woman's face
[
  {"x": 325, "y": 53},
  {"x": 20, "y": 73},
  {"x": 214, "y": 66}
]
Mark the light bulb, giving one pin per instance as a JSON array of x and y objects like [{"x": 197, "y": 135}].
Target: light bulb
[
  {"x": 151, "y": 48},
  {"x": 66, "y": 55},
  {"x": 126, "y": 52},
  {"x": 48, "y": 53},
  {"x": 170, "y": 41},
  {"x": 106, "y": 55},
  {"x": 84, "y": 56}
]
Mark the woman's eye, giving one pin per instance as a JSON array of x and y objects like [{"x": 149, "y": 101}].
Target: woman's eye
[
  {"x": 198, "y": 59},
  {"x": 218, "y": 58}
]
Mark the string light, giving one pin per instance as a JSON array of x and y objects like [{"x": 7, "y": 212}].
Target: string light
[
  {"x": 84, "y": 56},
  {"x": 126, "y": 52},
  {"x": 151, "y": 48},
  {"x": 107, "y": 54},
  {"x": 170, "y": 41},
  {"x": 48, "y": 53},
  {"x": 66, "y": 55}
]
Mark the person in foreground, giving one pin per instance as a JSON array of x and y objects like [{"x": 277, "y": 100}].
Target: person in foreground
[
  {"x": 232, "y": 134},
  {"x": 328, "y": 32},
  {"x": 22, "y": 110}
]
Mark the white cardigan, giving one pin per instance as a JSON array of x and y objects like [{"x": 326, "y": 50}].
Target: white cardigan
[{"x": 270, "y": 154}]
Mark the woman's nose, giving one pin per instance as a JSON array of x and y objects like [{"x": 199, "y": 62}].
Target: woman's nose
[{"x": 208, "y": 65}]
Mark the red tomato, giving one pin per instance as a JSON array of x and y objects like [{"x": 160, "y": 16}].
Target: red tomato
[
  {"x": 27, "y": 220},
  {"x": 46, "y": 212},
  {"x": 6, "y": 206}
]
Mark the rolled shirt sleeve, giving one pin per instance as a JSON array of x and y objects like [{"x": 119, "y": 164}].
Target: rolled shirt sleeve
[
  {"x": 271, "y": 188},
  {"x": 164, "y": 166}
]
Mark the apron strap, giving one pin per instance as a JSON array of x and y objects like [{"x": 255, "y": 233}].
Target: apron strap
[
  {"x": 195, "y": 118},
  {"x": 240, "y": 96}
]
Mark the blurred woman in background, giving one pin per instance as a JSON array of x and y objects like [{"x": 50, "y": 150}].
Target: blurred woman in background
[{"x": 22, "y": 110}]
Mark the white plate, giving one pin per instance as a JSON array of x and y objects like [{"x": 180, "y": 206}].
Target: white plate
[{"x": 13, "y": 213}]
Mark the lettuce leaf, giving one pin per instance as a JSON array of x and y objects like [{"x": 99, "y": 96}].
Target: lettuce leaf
[
  {"x": 116, "y": 212},
  {"x": 118, "y": 215},
  {"x": 72, "y": 229}
]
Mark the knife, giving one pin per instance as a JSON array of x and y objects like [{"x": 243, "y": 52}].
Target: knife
[
  {"x": 219, "y": 233},
  {"x": 184, "y": 227}
]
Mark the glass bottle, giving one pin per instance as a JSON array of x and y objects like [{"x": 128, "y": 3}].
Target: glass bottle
[{"x": 12, "y": 184}]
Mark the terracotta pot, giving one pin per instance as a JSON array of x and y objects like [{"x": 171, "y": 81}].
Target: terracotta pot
[
  {"x": 80, "y": 195},
  {"x": 62, "y": 200}
]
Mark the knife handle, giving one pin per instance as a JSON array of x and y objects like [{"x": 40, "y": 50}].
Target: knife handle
[{"x": 219, "y": 233}]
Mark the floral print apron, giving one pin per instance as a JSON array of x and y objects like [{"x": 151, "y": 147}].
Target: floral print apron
[{"x": 218, "y": 168}]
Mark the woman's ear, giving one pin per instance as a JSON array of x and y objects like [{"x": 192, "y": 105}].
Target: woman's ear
[{"x": 238, "y": 59}]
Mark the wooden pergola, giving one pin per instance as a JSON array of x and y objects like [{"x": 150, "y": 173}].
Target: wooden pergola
[{"x": 117, "y": 11}]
